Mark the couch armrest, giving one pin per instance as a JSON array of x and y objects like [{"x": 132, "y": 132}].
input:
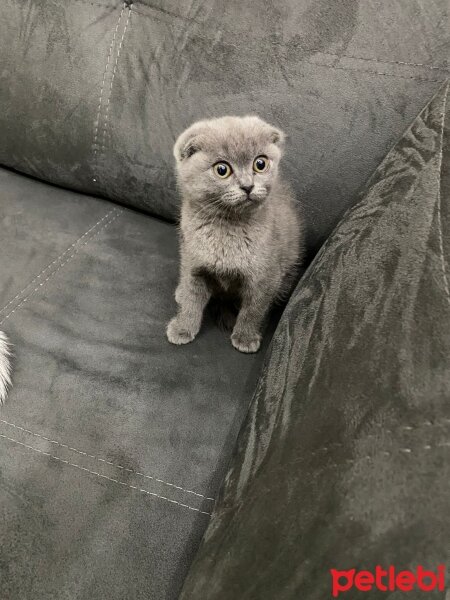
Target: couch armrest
[{"x": 343, "y": 462}]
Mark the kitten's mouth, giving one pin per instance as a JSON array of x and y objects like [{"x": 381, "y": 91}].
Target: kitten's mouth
[
  {"x": 242, "y": 201},
  {"x": 245, "y": 201},
  {"x": 253, "y": 198}
]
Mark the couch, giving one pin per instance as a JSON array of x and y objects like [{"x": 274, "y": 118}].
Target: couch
[{"x": 130, "y": 466}]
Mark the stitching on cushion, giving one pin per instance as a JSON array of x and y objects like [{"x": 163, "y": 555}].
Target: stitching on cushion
[
  {"x": 375, "y": 72},
  {"x": 97, "y": 121},
  {"x": 115, "y": 212},
  {"x": 103, "y": 460},
  {"x": 439, "y": 202},
  {"x": 443, "y": 421},
  {"x": 426, "y": 423},
  {"x": 377, "y": 61},
  {"x": 105, "y": 123},
  {"x": 17, "y": 296},
  {"x": 370, "y": 458},
  {"x": 133, "y": 487},
  {"x": 388, "y": 62}
]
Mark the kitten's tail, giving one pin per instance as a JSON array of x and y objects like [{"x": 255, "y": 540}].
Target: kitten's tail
[{"x": 5, "y": 366}]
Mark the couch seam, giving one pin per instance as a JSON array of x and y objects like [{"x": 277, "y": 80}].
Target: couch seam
[
  {"x": 370, "y": 458},
  {"x": 17, "y": 296},
  {"x": 25, "y": 299},
  {"x": 99, "y": 146},
  {"x": 99, "y": 108},
  {"x": 403, "y": 428},
  {"x": 394, "y": 75},
  {"x": 105, "y": 122},
  {"x": 101, "y": 475},
  {"x": 439, "y": 202},
  {"x": 103, "y": 460},
  {"x": 386, "y": 62}
]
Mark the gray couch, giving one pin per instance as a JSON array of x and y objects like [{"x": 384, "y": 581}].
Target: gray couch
[{"x": 113, "y": 443}]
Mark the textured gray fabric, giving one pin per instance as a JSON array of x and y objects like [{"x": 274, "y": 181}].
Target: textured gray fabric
[
  {"x": 92, "y": 96},
  {"x": 100, "y": 90},
  {"x": 344, "y": 458},
  {"x": 87, "y": 288}
]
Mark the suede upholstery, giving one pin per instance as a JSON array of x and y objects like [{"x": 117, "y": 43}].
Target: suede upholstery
[
  {"x": 343, "y": 461},
  {"x": 93, "y": 94},
  {"x": 114, "y": 444},
  {"x": 87, "y": 292}
]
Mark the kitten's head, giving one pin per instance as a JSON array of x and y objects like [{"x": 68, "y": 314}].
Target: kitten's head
[{"x": 230, "y": 163}]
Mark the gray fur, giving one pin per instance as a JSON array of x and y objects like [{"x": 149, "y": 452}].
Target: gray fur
[{"x": 235, "y": 243}]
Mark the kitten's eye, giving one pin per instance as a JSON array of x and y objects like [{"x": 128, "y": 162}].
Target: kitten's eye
[
  {"x": 260, "y": 164},
  {"x": 222, "y": 170}
]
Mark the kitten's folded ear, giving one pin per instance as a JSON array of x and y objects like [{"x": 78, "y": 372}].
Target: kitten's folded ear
[
  {"x": 189, "y": 142},
  {"x": 277, "y": 136}
]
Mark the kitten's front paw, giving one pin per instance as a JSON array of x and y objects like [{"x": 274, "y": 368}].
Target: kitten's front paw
[
  {"x": 246, "y": 342},
  {"x": 178, "y": 333}
]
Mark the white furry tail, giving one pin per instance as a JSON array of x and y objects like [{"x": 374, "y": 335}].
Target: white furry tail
[{"x": 5, "y": 367}]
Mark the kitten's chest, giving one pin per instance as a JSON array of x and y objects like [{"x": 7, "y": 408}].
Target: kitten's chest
[{"x": 223, "y": 249}]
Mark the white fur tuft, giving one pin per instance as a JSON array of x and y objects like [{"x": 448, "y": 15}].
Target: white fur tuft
[{"x": 5, "y": 367}]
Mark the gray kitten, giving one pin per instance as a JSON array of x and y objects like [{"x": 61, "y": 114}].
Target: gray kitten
[{"x": 241, "y": 234}]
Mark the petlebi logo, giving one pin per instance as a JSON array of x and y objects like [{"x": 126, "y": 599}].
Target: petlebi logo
[{"x": 387, "y": 579}]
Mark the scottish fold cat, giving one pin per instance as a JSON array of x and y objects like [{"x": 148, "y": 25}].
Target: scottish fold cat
[{"x": 241, "y": 235}]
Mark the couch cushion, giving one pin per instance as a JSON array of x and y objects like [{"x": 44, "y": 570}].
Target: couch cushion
[
  {"x": 343, "y": 462},
  {"x": 112, "y": 442},
  {"x": 93, "y": 94}
]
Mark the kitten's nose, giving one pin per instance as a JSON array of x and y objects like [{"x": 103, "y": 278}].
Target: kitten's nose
[{"x": 247, "y": 188}]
